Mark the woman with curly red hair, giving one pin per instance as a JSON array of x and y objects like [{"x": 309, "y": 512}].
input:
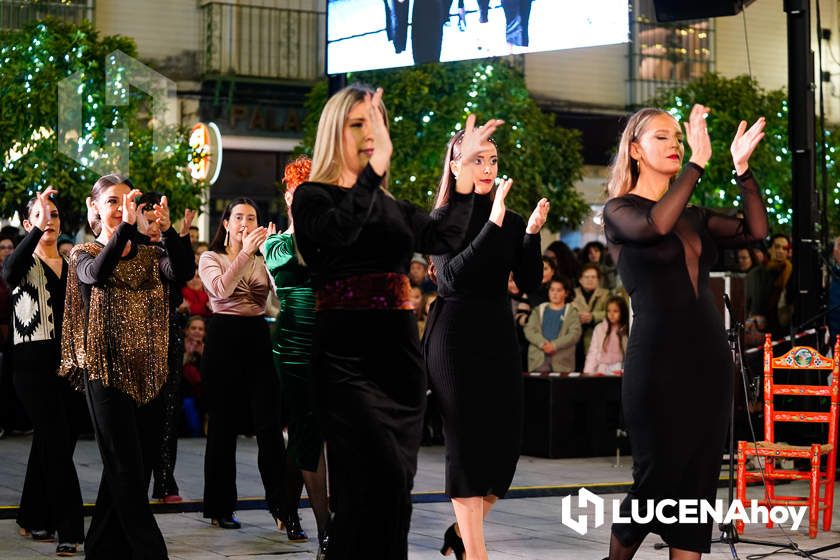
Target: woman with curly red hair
[{"x": 292, "y": 350}]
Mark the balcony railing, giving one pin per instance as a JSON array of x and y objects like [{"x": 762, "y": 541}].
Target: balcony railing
[
  {"x": 263, "y": 42},
  {"x": 15, "y": 14},
  {"x": 666, "y": 55}
]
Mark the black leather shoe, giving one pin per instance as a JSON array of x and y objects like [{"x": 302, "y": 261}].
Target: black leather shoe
[
  {"x": 451, "y": 541},
  {"x": 229, "y": 522},
  {"x": 43, "y": 535},
  {"x": 66, "y": 549},
  {"x": 293, "y": 529}
]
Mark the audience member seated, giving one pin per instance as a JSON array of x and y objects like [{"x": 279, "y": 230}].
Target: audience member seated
[
  {"x": 418, "y": 274},
  {"x": 595, "y": 252},
  {"x": 766, "y": 287},
  {"x": 191, "y": 386},
  {"x": 553, "y": 330},
  {"x": 591, "y": 303},
  {"x": 566, "y": 262},
  {"x": 195, "y": 296},
  {"x": 540, "y": 295},
  {"x": 744, "y": 260},
  {"x": 609, "y": 340}
]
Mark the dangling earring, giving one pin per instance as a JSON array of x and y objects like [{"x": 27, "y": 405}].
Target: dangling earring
[{"x": 227, "y": 240}]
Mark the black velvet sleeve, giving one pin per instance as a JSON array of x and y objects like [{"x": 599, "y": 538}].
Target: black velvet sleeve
[
  {"x": 439, "y": 232},
  {"x": 626, "y": 221},
  {"x": 731, "y": 231},
  {"x": 180, "y": 254},
  {"x": 18, "y": 263},
  {"x": 94, "y": 270},
  {"x": 320, "y": 218}
]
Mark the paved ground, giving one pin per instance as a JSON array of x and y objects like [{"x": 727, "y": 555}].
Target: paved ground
[{"x": 519, "y": 528}]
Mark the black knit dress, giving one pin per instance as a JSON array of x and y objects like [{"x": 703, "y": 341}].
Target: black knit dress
[
  {"x": 677, "y": 384},
  {"x": 472, "y": 351}
]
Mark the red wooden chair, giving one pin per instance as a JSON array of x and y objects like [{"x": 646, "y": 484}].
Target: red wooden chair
[{"x": 823, "y": 455}]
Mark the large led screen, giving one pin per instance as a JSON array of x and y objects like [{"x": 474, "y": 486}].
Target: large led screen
[{"x": 370, "y": 34}]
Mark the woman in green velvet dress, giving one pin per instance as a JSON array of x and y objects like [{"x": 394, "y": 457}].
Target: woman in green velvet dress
[{"x": 292, "y": 352}]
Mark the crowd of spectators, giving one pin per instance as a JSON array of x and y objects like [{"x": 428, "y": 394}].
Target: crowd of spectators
[{"x": 576, "y": 320}]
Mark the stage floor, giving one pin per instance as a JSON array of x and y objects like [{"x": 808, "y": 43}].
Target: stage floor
[{"x": 523, "y": 527}]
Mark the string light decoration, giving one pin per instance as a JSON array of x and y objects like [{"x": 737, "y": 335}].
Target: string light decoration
[{"x": 33, "y": 61}]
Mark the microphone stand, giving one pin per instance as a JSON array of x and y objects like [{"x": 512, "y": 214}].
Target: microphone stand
[{"x": 728, "y": 533}]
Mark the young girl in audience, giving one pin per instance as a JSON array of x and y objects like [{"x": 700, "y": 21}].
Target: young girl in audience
[{"x": 609, "y": 339}]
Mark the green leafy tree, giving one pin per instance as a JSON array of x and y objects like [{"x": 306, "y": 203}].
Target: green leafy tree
[
  {"x": 428, "y": 104},
  {"x": 33, "y": 61},
  {"x": 741, "y": 98}
]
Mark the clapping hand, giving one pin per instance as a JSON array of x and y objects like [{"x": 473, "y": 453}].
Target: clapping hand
[
  {"x": 41, "y": 209},
  {"x": 744, "y": 143},
  {"x": 497, "y": 212},
  {"x": 129, "y": 207},
  {"x": 380, "y": 160},
  {"x": 269, "y": 231},
  {"x": 538, "y": 216},
  {"x": 697, "y": 135},
  {"x": 187, "y": 222},
  {"x": 474, "y": 138},
  {"x": 254, "y": 240},
  {"x": 162, "y": 214}
]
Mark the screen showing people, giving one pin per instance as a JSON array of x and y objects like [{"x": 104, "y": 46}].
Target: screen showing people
[{"x": 371, "y": 34}]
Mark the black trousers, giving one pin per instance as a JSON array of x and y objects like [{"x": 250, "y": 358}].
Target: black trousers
[
  {"x": 164, "y": 472},
  {"x": 128, "y": 437},
  {"x": 243, "y": 393},
  {"x": 51, "y": 497},
  {"x": 396, "y": 23},
  {"x": 517, "y": 17}
]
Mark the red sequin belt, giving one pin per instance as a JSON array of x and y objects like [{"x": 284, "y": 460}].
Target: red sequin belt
[{"x": 368, "y": 291}]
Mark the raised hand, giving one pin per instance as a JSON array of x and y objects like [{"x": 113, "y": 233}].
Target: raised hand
[
  {"x": 187, "y": 222},
  {"x": 538, "y": 216},
  {"x": 129, "y": 207},
  {"x": 41, "y": 209},
  {"x": 697, "y": 135},
  {"x": 254, "y": 240},
  {"x": 162, "y": 214},
  {"x": 497, "y": 212},
  {"x": 471, "y": 144},
  {"x": 269, "y": 231},
  {"x": 142, "y": 222},
  {"x": 744, "y": 143},
  {"x": 382, "y": 147}
]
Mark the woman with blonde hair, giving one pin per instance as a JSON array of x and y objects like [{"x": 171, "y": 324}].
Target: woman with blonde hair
[
  {"x": 664, "y": 250},
  {"x": 370, "y": 382}
]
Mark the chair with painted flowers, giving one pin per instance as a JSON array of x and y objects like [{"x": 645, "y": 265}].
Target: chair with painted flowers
[{"x": 822, "y": 455}]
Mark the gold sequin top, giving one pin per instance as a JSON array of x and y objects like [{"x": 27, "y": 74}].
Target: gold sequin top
[{"x": 122, "y": 337}]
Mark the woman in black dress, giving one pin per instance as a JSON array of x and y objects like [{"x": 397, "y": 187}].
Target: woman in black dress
[
  {"x": 367, "y": 368},
  {"x": 678, "y": 371},
  {"x": 472, "y": 311},
  {"x": 37, "y": 274}
]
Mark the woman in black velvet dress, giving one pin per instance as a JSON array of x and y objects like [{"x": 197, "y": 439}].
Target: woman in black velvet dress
[
  {"x": 676, "y": 391},
  {"x": 471, "y": 345},
  {"x": 367, "y": 370}
]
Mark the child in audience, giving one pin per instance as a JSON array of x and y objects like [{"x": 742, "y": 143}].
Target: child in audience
[
  {"x": 609, "y": 339},
  {"x": 553, "y": 330}
]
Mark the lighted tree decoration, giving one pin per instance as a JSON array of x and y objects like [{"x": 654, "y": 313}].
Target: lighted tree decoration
[
  {"x": 428, "y": 104},
  {"x": 33, "y": 61},
  {"x": 733, "y": 99}
]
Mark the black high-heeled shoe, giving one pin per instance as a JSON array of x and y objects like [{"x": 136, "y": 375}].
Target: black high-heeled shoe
[
  {"x": 66, "y": 550},
  {"x": 228, "y": 522},
  {"x": 294, "y": 531},
  {"x": 451, "y": 541},
  {"x": 42, "y": 535}
]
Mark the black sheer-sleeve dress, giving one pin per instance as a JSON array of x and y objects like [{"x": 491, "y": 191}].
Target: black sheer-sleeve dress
[
  {"x": 367, "y": 370},
  {"x": 676, "y": 390},
  {"x": 472, "y": 351}
]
